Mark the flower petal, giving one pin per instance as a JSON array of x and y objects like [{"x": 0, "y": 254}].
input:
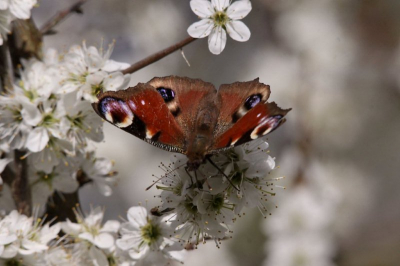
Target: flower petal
[
  {"x": 217, "y": 40},
  {"x": 30, "y": 113},
  {"x": 220, "y": 5},
  {"x": 239, "y": 9},
  {"x": 104, "y": 240},
  {"x": 238, "y": 31},
  {"x": 21, "y": 10},
  {"x": 111, "y": 226},
  {"x": 201, "y": 28},
  {"x": 97, "y": 256},
  {"x": 202, "y": 8},
  {"x": 37, "y": 139},
  {"x": 137, "y": 216}
]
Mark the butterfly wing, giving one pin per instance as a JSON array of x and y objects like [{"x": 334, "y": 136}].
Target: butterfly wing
[
  {"x": 141, "y": 111},
  {"x": 245, "y": 114}
]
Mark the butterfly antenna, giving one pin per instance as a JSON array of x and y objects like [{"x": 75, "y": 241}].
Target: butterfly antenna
[
  {"x": 219, "y": 170},
  {"x": 167, "y": 173}
]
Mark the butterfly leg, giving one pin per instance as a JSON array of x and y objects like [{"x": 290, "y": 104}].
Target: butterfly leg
[
  {"x": 197, "y": 183},
  {"x": 222, "y": 172}
]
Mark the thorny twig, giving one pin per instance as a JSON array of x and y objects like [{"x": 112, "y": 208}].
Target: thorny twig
[{"x": 157, "y": 56}]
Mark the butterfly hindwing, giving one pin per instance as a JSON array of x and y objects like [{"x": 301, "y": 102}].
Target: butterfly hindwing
[
  {"x": 245, "y": 114},
  {"x": 142, "y": 111}
]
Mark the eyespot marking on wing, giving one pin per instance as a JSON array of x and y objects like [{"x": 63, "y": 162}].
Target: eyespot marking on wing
[
  {"x": 266, "y": 126},
  {"x": 248, "y": 104},
  {"x": 116, "y": 112},
  {"x": 169, "y": 98}
]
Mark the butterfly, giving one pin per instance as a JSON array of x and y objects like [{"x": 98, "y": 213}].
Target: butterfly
[{"x": 190, "y": 116}]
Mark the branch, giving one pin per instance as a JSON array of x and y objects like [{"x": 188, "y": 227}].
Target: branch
[
  {"x": 157, "y": 56},
  {"x": 20, "y": 186},
  {"x": 6, "y": 75},
  {"x": 47, "y": 28}
]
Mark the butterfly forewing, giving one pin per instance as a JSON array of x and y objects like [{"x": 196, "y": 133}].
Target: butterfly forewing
[{"x": 141, "y": 111}]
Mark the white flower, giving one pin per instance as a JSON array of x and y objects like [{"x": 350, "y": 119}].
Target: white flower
[
  {"x": 80, "y": 122},
  {"x": 89, "y": 228},
  {"x": 146, "y": 238},
  {"x": 39, "y": 80},
  {"x": 19, "y": 8},
  {"x": 66, "y": 255},
  {"x": 248, "y": 168},
  {"x": 48, "y": 127},
  {"x": 99, "y": 170},
  {"x": 31, "y": 235},
  {"x": 219, "y": 17},
  {"x": 43, "y": 184},
  {"x": 89, "y": 71},
  {"x": 18, "y": 115}
]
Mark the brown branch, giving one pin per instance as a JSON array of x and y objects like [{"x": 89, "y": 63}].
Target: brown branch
[
  {"x": 157, "y": 56},
  {"x": 60, "y": 206},
  {"x": 20, "y": 186},
  {"x": 47, "y": 28},
  {"x": 6, "y": 75}
]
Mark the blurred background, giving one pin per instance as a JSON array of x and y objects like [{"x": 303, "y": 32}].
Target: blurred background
[{"x": 336, "y": 63}]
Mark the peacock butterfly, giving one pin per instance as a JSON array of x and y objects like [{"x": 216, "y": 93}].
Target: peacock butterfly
[{"x": 190, "y": 116}]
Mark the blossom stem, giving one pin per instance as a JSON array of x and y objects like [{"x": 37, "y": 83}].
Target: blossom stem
[
  {"x": 20, "y": 186},
  {"x": 5, "y": 68},
  {"x": 157, "y": 56},
  {"x": 47, "y": 28}
]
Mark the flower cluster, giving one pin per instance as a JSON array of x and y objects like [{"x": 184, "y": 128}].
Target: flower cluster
[
  {"x": 204, "y": 204},
  {"x": 25, "y": 239},
  {"x": 219, "y": 17},
  {"x": 144, "y": 240},
  {"x": 11, "y": 10},
  {"x": 48, "y": 117}
]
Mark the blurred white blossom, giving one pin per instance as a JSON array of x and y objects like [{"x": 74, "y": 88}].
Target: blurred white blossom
[
  {"x": 11, "y": 10},
  {"x": 219, "y": 17}
]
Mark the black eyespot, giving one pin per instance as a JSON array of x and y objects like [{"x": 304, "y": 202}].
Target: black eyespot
[
  {"x": 252, "y": 101},
  {"x": 167, "y": 94}
]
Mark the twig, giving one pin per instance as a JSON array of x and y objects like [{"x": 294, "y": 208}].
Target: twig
[
  {"x": 47, "y": 28},
  {"x": 157, "y": 56},
  {"x": 5, "y": 68},
  {"x": 20, "y": 186}
]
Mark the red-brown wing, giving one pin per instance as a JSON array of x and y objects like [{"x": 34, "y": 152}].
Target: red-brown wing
[
  {"x": 141, "y": 111},
  {"x": 245, "y": 114},
  {"x": 191, "y": 95}
]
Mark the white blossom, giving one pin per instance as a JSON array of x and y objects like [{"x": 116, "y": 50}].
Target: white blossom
[
  {"x": 146, "y": 238},
  {"x": 19, "y": 8},
  {"x": 90, "y": 228},
  {"x": 24, "y": 235},
  {"x": 90, "y": 71},
  {"x": 99, "y": 171},
  {"x": 80, "y": 123},
  {"x": 219, "y": 17},
  {"x": 11, "y": 10},
  {"x": 43, "y": 184}
]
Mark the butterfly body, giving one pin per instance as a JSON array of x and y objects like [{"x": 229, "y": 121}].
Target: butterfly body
[{"x": 190, "y": 116}]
